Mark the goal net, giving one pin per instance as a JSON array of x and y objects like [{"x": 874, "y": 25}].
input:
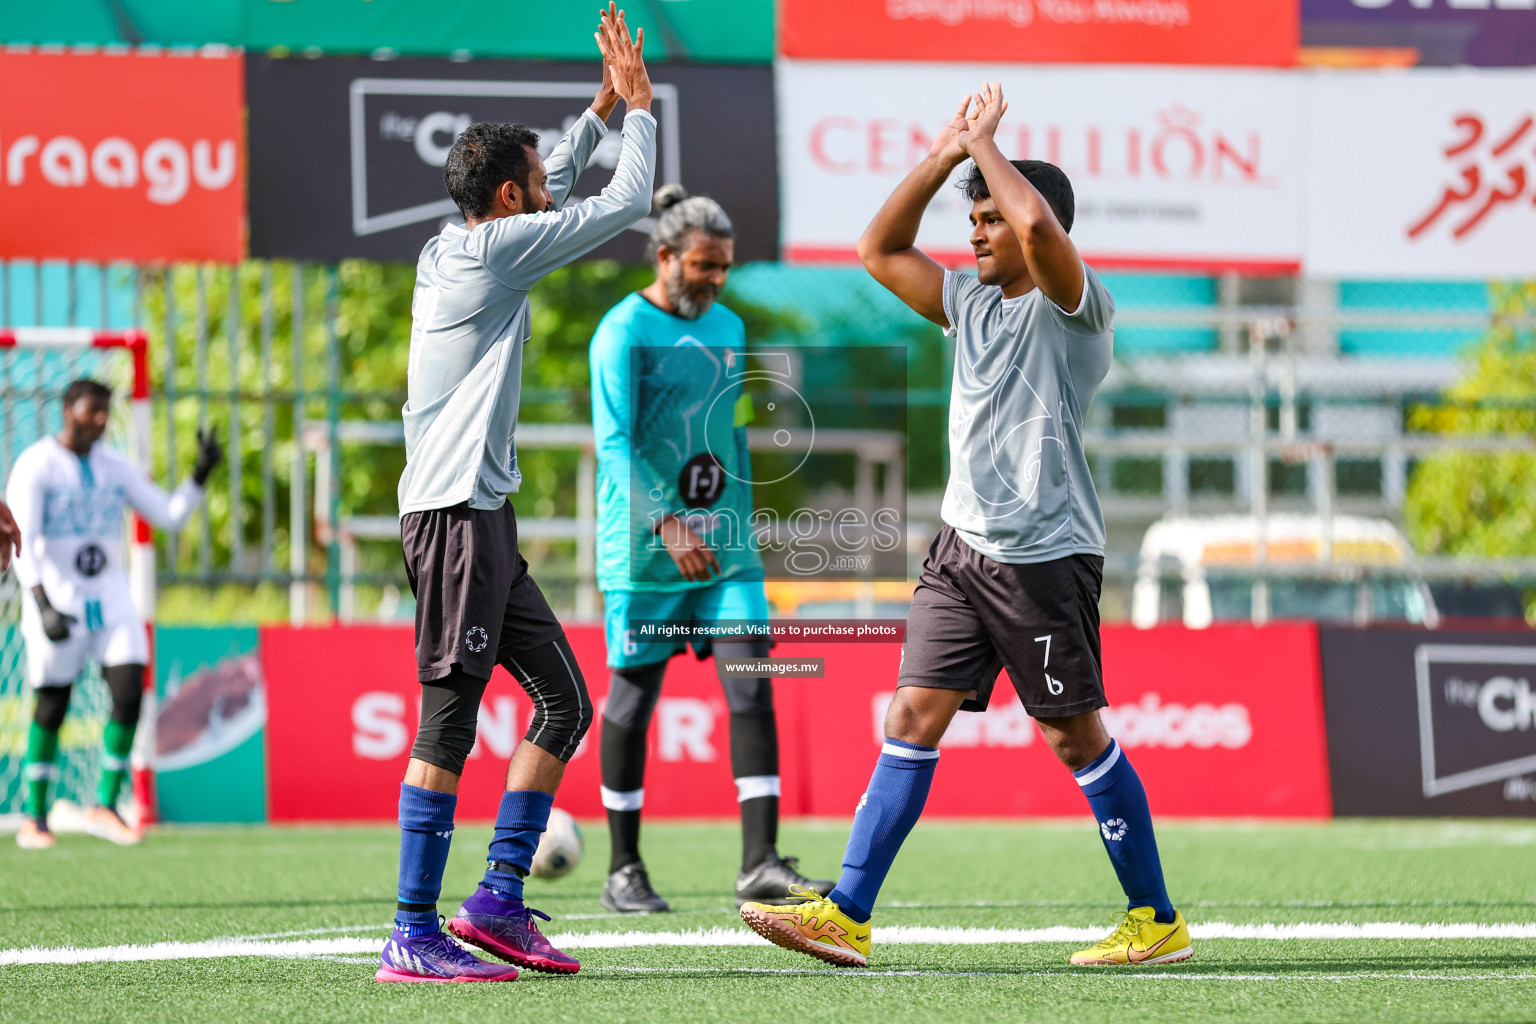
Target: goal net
[{"x": 36, "y": 364}]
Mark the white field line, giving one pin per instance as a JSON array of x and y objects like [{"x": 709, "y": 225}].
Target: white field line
[
  {"x": 723, "y": 911},
  {"x": 381, "y": 929},
  {"x": 1176, "y": 974},
  {"x": 213, "y": 949},
  {"x": 717, "y": 937},
  {"x": 1245, "y": 904}
]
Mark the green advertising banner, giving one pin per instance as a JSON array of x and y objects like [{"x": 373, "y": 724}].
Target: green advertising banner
[
  {"x": 101, "y": 22},
  {"x": 723, "y": 31},
  {"x": 211, "y": 714}
]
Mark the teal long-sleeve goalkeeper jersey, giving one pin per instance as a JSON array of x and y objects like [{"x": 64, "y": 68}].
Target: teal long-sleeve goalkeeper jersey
[{"x": 669, "y": 413}]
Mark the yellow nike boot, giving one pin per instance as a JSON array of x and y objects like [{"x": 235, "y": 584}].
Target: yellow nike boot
[
  {"x": 1139, "y": 940},
  {"x": 817, "y": 927}
]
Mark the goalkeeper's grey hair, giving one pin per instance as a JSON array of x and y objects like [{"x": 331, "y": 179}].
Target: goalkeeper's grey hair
[{"x": 678, "y": 214}]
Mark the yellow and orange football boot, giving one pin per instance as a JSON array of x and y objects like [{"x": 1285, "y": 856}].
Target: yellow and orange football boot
[
  {"x": 817, "y": 928},
  {"x": 1139, "y": 940}
]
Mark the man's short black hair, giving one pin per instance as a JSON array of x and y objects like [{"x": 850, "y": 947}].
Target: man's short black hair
[
  {"x": 484, "y": 156},
  {"x": 86, "y": 388},
  {"x": 1049, "y": 180}
]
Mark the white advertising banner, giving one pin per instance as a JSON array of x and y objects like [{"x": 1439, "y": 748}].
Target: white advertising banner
[
  {"x": 1427, "y": 174},
  {"x": 1172, "y": 167}
]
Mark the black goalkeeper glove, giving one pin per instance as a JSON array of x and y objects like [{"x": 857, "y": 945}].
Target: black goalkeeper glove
[
  {"x": 55, "y": 623},
  {"x": 209, "y": 454}
]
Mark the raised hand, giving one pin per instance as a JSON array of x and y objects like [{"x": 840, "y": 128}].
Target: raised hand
[
  {"x": 625, "y": 59},
  {"x": 946, "y": 145},
  {"x": 607, "y": 97},
  {"x": 209, "y": 454},
  {"x": 982, "y": 122}
]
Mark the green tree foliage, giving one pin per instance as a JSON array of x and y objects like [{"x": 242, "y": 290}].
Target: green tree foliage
[
  {"x": 350, "y": 363},
  {"x": 1482, "y": 504}
]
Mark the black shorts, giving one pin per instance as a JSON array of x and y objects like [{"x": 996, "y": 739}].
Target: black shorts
[
  {"x": 972, "y": 616},
  {"x": 475, "y": 602}
]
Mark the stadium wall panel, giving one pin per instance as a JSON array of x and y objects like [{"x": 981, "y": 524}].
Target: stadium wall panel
[
  {"x": 347, "y": 155},
  {"x": 1431, "y": 724},
  {"x": 1459, "y": 32},
  {"x": 123, "y": 156},
  {"x": 1220, "y": 722},
  {"x": 210, "y": 714}
]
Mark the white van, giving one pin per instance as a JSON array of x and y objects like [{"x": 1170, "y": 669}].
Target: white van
[{"x": 1201, "y": 569}]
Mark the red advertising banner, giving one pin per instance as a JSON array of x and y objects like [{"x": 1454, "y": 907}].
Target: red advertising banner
[
  {"x": 122, "y": 156},
  {"x": 357, "y": 718},
  {"x": 1207, "y": 716},
  {"x": 1251, "y": 32}
]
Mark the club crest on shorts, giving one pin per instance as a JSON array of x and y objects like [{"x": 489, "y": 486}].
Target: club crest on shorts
[{"x": 476, "y": 639}]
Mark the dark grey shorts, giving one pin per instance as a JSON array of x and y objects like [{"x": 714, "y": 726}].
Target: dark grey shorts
[
  {"x": 475, "y": 602},
  {"x": 972, "y": 617}
]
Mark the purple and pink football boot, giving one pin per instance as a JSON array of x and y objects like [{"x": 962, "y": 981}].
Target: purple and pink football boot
[
  {"x": 506, "y": 929},
  {"x": 435, "y": 957}
]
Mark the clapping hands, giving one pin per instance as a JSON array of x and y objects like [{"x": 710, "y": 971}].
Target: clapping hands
[
  {"x": 624, "y": 59},
  {"x": 981, "y": 123}
]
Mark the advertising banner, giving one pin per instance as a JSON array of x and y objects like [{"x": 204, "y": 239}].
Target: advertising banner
[
  {"x": 1175, "y": 168},
  {"x": 91, "y": 22},
  {"x": 1449, "y": 32},
  {"x": 347, "y": 155},
  {"x": 1203, "y": 744},
  {"x": 125, "y": 156},
  {"x": 1428, "y": 174},
  {"x": 1431, "y": 724},
  {"x": 362, "y": 721},
  {"x": 1059, "y": 31},
  {"x": 210, "y": 712},
  {"x": 699, "y": 30}
]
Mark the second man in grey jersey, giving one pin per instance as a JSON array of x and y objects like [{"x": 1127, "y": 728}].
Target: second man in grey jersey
[
  {"x": 1012, "y": 580},
  {"x": 477, "y": 607}
]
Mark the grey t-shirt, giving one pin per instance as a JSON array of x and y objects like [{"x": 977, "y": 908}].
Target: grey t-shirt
[
  {"x": 1026, "y": 372},
  {"x": 469, "y": 320}
]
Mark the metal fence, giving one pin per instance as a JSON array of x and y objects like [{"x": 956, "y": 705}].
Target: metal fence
[{"x": 1229, "y": 396}]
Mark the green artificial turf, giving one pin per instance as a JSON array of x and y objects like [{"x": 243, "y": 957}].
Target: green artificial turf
[{"x": 202, "y": 884}]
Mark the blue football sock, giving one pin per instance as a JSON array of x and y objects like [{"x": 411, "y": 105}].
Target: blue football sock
[
  {"x": 888, "y": 810},
  {"x": 521, "y": 820},
  {"x": 1119, "y": 803},
  {"x": 426, "y": 830}
]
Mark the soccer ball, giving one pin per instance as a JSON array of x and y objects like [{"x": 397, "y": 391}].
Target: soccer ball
[{"x": 560, "y": 848}]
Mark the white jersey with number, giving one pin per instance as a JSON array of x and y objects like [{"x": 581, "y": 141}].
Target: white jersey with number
[{"x": 70, "y": 511}]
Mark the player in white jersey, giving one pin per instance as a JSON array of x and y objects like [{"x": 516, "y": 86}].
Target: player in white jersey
[{"x": 68, "y": 493}]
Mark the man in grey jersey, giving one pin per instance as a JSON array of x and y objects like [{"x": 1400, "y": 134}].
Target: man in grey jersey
[
  {"x": 477, "y": 607},
  {"x": 1012, "y": 580}
]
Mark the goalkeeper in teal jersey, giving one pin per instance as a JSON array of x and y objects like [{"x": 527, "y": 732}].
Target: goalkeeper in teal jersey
[{"x": 674, "y": 544}]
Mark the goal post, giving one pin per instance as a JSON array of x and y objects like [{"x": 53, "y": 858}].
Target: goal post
[{"x": 36, "y": 363}]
